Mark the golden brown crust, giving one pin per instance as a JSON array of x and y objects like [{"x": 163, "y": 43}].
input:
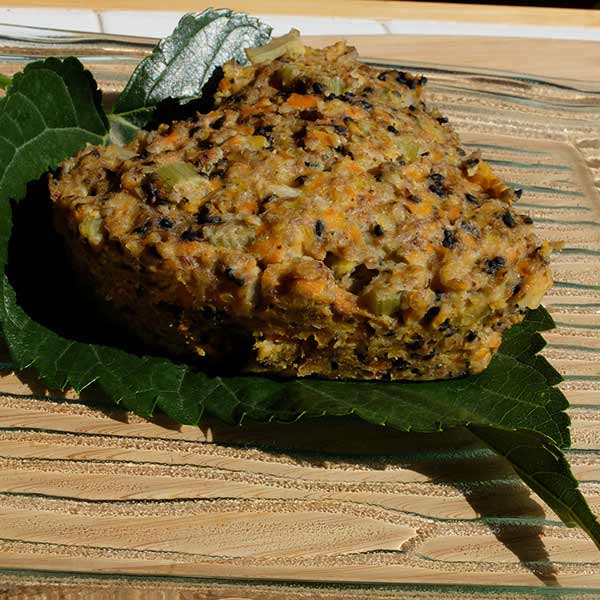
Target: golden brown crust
[{"x": 331, "y": 225}]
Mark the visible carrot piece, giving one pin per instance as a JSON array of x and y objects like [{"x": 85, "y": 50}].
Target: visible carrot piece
[
  {"x": 355, "y": 234},
  {"x": 249, "y": 207},
  {"x": 171, "y": 138},
  {"x": 524, "y": 268},
  {"x": 315, "y": 182},
  {"x": 322, "y": 137},
  {"x": 481, "y": 354},
  {"x": 453, "y": 213},
  {"x": 333, "y": 219},
  {"x": 415, "y": 172},
  {"x": 355, "y": 112},
  {"x": 311, "y": 288},
  {"x": 301, "y": 101},
  {"x": 345, "y": 301},
  {"x": 423, "y": 209},
  {"x": 269, "y": 250},
  {"x": 354, "y": 167}
]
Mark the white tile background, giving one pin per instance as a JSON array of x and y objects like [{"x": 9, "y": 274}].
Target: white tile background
[
  {"x": 158, "y": 24},
  {"x": 493, "y": 29},
  {"x": 82, "y": 20}
]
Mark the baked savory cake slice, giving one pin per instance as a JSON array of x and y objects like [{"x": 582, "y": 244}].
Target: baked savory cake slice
[{"x": 322, "y": 220}]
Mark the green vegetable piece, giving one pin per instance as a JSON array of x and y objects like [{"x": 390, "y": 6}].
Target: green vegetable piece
[
  {"x": 124, "y": 153},
  {"x": 341, "y": 267},
  {"x": 172, "y": 174},
  {"x": 381, "y": 301},
  {"x": 408, "y": 148},
  {"x": 182, "y": 63},
  {"x": 287, "y": 74},
  {"x": 91, "y": 229},
  {"x": 387, "y": 305},
  {"x": 335, "y": 86},
  {"x": 289, "y": 42}
]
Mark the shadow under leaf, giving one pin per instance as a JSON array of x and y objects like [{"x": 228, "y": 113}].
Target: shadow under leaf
[{"x": 455, "y": 458}]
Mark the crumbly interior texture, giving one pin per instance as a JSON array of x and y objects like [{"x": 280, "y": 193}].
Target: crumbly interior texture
[{"x": 322, "y": 220}]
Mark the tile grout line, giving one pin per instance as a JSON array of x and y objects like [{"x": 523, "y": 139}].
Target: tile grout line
[
  {"x": 385, "y": 25},
  {"x": 100, "y": 23}
]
